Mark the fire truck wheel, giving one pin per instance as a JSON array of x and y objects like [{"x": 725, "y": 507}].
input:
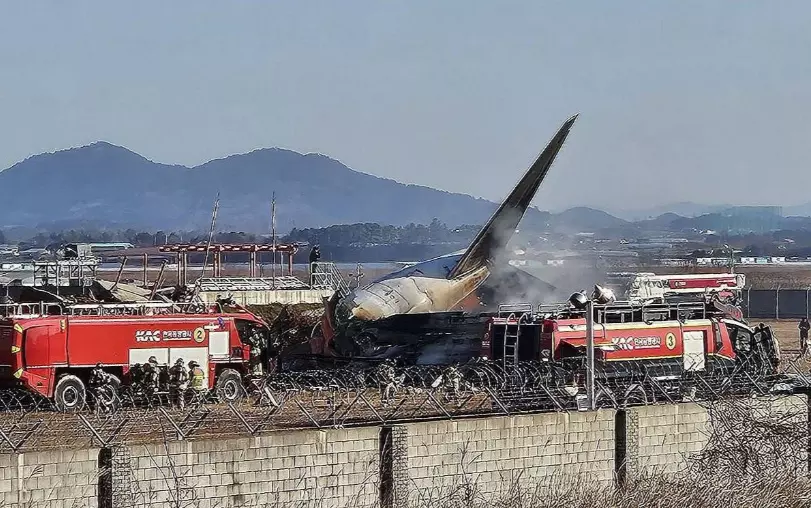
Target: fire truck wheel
[
  {"x": 70, "y": 394},
  {"x": 229, "y": 386}
]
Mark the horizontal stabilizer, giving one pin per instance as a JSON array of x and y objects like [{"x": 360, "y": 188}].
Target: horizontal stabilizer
[{"x": 501, "y": 226}]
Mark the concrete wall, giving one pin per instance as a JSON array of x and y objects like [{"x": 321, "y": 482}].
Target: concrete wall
[
  {"x": 663, "y": 438},
  {"x": 660, "y": 439},
  {"x": 493, "y": 452},
  {"x": 50, "y": 479},
  {"x": 339, "y": 467},
  {"x": 406, "y": 463}
]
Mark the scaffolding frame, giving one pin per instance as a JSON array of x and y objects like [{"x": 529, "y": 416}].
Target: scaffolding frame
[{"x": 182, "y": 253}]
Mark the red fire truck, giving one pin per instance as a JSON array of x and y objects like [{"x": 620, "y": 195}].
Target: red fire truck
[
  {"x": 658, "y": 342},
  {"x": 53, "y": 350}
]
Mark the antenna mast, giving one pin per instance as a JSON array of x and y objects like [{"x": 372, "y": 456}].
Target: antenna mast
[{"x": 211, "y": 233}]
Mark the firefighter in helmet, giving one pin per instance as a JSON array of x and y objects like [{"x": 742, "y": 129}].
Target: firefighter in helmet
[
  {"x": 196, "y": 377},
  {"x": 178, "y": 382},
  {"x": 453, "y": 380},
  {"x": 102, "y": 386},
  {"x": 387, "y": 380},
  {"x": 136, "y": 375},
  {"x": 256, "y": 340},
  {"x": 149, "y": 378},
  {"x": 97, "y": 376}
]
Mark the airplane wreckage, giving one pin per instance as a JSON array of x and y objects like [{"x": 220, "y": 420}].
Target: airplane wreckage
[{"x": 412, "y": 314}]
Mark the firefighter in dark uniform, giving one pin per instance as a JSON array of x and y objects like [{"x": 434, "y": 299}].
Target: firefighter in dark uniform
[
  {"x": 150, "y": 378},
  {"x": 102, "y": 386},
  {"x": 315, "y": 255},
  {"x": 178, "y": 382},
  {"x": 804, "y": 326},
  {"x": 257, "y": 343},
  {"x": 137, "y": 375}
]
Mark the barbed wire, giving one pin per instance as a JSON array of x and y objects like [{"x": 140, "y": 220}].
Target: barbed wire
[{"x": 380, "y": 395}]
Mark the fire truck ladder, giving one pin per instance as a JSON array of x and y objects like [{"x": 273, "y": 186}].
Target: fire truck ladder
[
  {"x": 515, "y": 313},
  {"x": 137, "y": 309},
  {"x": 30, "y": 309}
]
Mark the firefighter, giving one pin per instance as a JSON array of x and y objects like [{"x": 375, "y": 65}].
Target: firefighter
[
  {"x": 804, "y": 326},
  {"x": 102, "y": 386},
  {"x": 387, "y": 380},
  {"x": 178, "y": 382},
  {"x": 150, "y": 378},
  {"x": 257, "y": 343},
  {"x": 315, "y": 255},
  {"x": 137, "y": 375},
  {"x": 196, "y": 377},
  {"x": 453, "y": 379}
]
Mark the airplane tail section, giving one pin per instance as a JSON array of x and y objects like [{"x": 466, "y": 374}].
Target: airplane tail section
[{"x": 501, "y": 226}]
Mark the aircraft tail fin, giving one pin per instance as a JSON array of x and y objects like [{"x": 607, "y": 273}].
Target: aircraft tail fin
[{"x": 501, "y": 226}]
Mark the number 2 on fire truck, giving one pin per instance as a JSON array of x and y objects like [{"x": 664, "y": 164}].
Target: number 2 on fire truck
[{"x": 199, "y": 334}]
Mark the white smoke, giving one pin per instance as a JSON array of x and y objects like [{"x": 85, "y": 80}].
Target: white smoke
[{"x": 571, "y": 276}]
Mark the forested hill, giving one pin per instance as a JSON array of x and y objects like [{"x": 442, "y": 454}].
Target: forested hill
[{"x": 109, "y": 186}]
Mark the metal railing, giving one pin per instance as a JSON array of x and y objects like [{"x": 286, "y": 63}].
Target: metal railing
[
  {"x": 106, "y": 309},
  {"x": 234, "y": 284},
  {"x": 141, "y": 309},
  {"x": 30, "y": 309},
  {"x": 325, "y": 275}
]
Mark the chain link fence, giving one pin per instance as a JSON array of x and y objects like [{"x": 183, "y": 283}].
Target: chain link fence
[
  {"x": 329, "y": 399},
  {"x": 776, "y": 303}
]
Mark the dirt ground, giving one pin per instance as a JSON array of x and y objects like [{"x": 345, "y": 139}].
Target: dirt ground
[
  {"x": 785, "y": 330},
  {"x": 789, "y": 339}
]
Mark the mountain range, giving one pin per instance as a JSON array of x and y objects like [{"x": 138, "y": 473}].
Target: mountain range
[{"x": 103, "y": 185}]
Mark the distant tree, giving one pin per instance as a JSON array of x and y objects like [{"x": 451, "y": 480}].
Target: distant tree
[
  {"x": 143, "y": 239},
  {"x": 2, "y": 237}
]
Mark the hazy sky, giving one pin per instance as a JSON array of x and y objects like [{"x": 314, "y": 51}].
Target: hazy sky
[{"x": 682, "y": 100}]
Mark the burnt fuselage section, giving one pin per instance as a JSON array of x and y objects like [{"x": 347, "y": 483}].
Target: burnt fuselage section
[{"x": 426, "y": 338}]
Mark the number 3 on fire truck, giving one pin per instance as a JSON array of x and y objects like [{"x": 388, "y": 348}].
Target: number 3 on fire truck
[
  {"x": 670, "y": 341},
  {"x": 199, "y": 334}
]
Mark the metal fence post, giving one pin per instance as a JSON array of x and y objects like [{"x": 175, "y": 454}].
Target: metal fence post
[
  {"x": 777, "y": 303},
  {"x": 748, "y": 311},
  {"x": 806, "y": 304}
]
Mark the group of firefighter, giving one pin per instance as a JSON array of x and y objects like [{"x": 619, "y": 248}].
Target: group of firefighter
[
  {"x": 179, "y": 380},
  {"x": 147, "y": 378},
  {"x": 389, "y": 382}
]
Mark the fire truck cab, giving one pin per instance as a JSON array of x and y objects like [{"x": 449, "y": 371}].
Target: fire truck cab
[{"x": 53, "y": 353}]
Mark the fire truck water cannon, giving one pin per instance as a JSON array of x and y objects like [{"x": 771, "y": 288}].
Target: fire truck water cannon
[{"x": 600, "y": 295}]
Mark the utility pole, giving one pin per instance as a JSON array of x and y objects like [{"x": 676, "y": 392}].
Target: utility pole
[
  {"x": 590, "y": 354},
  {"x": 273, "y": 234}
]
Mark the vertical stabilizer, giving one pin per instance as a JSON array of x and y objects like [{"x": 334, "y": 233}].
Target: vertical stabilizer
[{"x": 501, "y": 226}]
